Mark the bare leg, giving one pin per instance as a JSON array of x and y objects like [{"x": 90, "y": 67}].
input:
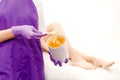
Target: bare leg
[
  {"x": 77, "y": 58},
  {"x": 98, "y": 63}
]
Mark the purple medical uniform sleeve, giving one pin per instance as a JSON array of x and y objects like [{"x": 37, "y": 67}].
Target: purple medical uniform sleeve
[{"x": 20, "y": 58}]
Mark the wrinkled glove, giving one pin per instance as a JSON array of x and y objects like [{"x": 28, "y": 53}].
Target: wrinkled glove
[
  {"x": 27, "y": 31},
  {"x": 58, "y": 61}
]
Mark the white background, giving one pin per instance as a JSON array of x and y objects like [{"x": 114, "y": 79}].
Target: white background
[{"x": 92, "y": 26}]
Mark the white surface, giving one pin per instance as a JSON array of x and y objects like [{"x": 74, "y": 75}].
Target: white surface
[
  {"x": 68, "y": 72},
  {"x": 93, "y": 27}
]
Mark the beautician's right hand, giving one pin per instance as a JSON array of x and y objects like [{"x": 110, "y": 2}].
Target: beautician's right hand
[{"x": 27, "y": 31}]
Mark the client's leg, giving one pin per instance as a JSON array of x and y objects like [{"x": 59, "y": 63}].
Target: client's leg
[
  {"x": 77, "y": 59},
  {"x": 99, "y": 63}
]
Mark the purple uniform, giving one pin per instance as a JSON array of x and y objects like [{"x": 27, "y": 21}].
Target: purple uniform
[{"x": 20, "y": 58}]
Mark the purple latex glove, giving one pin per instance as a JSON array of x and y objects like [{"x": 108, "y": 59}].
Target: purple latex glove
[
  {"x": 57, "y": 62},
  {"x": 27, "y": 31}
]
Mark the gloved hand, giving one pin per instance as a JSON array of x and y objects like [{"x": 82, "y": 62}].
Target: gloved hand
[
  {"x": 57, "y": 62},
  {"x": 27, "y": 31}
]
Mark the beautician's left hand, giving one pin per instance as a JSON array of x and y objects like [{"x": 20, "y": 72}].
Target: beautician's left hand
[{"x": 58, "y": 61}]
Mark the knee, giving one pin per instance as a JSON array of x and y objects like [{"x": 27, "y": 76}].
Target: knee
[
  {"x": 55, "y": 23},
  {"x": 53, "y": 26}
]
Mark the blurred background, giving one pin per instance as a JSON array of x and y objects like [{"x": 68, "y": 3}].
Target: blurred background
[{"x": 92, "y": 26}]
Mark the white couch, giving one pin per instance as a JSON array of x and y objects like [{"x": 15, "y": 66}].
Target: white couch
[{"x": 68, "y": 72}]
